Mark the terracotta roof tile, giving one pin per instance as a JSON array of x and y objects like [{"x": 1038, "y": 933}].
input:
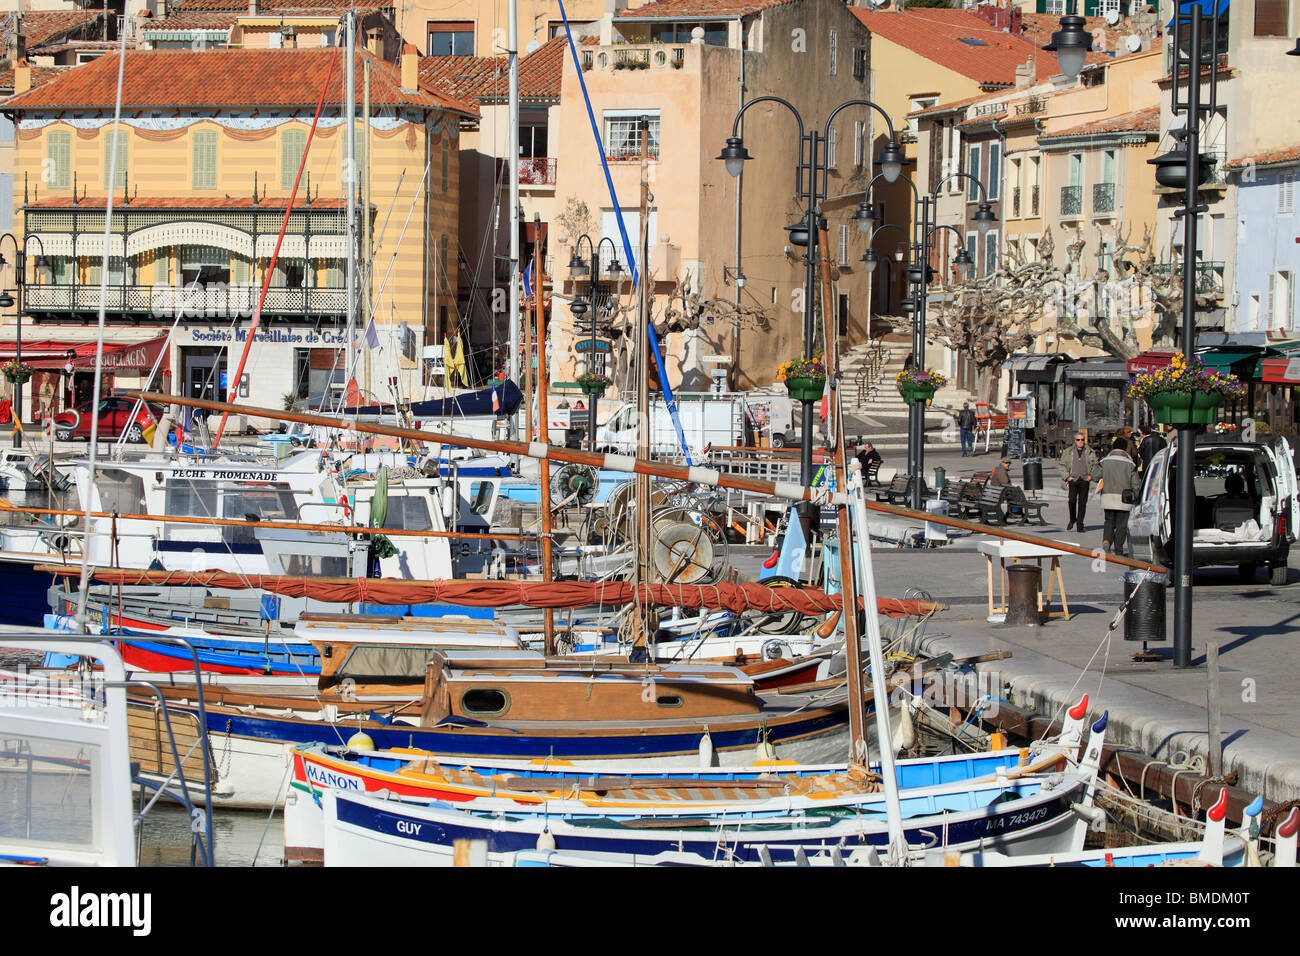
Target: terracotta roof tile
[
  {"x": 939, "y": 34},
  {"x": 1276, "y": 157},
  {"x": 40, "y": 74},
  {"x": 192, "y": 20},
  {"x": 947, "y": 107},
  {"x": 238, "y": 79},
  {"x": 44, "y": 26},
  {"x": 722, "y": 9},
  {"x": 485, "y": 78},
  {"x": 276, "y": 6},
  {"x": 1139, "y": 121},
  {"x": 1039, "y": 27}
]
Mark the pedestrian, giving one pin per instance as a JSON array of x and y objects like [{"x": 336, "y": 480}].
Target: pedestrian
[
  {"x": 1151, "y": 443},
  {"x": 1001, "y": 475},
  {"x": 1119, "y": 488},
  {"x": 1079, "y": 467},
  {"x": 1130, "y": 446},
  {"x": 966, "y": 422},
  {"x": 867, "y": 457}
]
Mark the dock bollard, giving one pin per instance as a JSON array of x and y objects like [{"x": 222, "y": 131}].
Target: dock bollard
[{"x": 1024, "y": 581}]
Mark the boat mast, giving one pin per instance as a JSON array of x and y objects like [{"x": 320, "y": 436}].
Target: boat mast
[
  {"x": 543, "y": 466},
  {"x": 363, "y": 181},
  {"x": 642, "y": 366},
  {"x": 349, "y": 186},
  {"x": 512, "y": 59}
]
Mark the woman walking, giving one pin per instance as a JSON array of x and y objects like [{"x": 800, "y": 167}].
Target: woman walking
[{"x": 1119, "y": 488}]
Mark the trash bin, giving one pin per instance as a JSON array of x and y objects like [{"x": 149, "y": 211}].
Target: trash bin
[
  {"x": 940, "y": 479},
  {"x": 1031, "y": 474},
  {"x": 1024, "y": 582},
  {"x": 1144, "y": 591}
]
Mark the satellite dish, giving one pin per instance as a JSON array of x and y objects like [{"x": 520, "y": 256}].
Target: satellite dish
[
  {"x": 533, "y": 47},
  {"x": 1133, "y": 43},
  {"x": 1112, "y": 17}
]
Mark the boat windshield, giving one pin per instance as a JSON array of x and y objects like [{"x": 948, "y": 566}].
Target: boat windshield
[{"x": 213, "y": 499}]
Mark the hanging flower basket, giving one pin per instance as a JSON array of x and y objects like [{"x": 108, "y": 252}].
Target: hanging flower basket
[
  {"x": 805, "y": 379},
  {"x": 593, "y": 384},
  {"x": 1185, "y": 394},
  {"x": 918, "y": 384},
  {"x": 17, "y": 372}
]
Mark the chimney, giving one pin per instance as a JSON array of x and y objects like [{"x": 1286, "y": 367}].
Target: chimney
[
  {"x": 410, "y": 67},
  {"x": 1025, "y": 74},
  {"x": 22, "y": 77},
  {"x": 20, "y": 39},
  {"x": 160, "y": 9},
  {"x": 252, "y": 8}
]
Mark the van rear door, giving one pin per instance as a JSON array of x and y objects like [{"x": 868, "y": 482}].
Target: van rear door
[{"x": 1287, "y": 486}]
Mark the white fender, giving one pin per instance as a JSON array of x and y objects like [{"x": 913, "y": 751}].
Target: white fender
[{"x": 706, "y": 750}]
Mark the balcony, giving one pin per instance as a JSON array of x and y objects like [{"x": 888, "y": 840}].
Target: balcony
[
  {"x": 1071, "y": 201},
  {"x": 1033, "y": 201},
  {"x": 1015, "y": 202},
  {"x": 194, "y": 301},
  {"x": 1209, "y": 276},
  {"x": 534, "y": 172},
  {"x": 1103, "y": 198},
  {"x": 656, "y": 56}
]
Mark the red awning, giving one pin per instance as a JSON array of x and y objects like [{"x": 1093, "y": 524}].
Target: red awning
[
  {"x": 1282, "y": 370},
  {"x": 1149, "y": 362},
  {"x": 138, "y": 356}
]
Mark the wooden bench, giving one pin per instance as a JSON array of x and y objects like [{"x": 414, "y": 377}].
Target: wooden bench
[
  {"x": 871, "y": 476},
  {"x": 990, "y": 504},
  {"x": 1016, "y": 500},
  {"x": 952, "y": 493},
  {"x": 897, "y": 488},
  {"x": 970, "y": 495}
]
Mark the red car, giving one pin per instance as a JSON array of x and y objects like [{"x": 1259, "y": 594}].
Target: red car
[{"x": 114, "y": 419}]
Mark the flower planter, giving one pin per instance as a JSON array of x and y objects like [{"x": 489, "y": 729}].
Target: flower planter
[
  {"x": 1185, "y": 408},
  {"x": 913, "y": 393},
  {"x": 18, "y": 378},
  {"x": 805, "y": 389},
  {"x": 596, "y": 389}
]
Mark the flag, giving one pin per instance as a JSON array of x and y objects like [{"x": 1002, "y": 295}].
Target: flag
[
  {"x": 372, "y": 335},
  {"x": 826, "y": 398},
  {"x": 528, "y": 284},
  {"x": 496, "y": 405}
]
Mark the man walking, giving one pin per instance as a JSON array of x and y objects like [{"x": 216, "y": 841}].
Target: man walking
[
  {"x": 1152, "y": 442},
  {"x": 966, "y": 422},
  {"x": 1079, "y": 467}
]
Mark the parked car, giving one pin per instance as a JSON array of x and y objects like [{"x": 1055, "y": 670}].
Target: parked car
[
  {"x": 115, "y": 419},
  {"x": 1246, "y": 508}
]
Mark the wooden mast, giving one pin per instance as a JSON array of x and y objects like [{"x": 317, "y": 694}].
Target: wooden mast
[
  {"x": 642, "y": 366},
  {"x": 544, "y": 424},
  {"x": 848, "y": 583}
]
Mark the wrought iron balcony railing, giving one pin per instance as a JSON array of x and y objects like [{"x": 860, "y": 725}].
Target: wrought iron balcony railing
[
  {"x": 1071, "y": 200},
  {"x": 214, "y": 300},
  {"x": 1103, "y": 197}
]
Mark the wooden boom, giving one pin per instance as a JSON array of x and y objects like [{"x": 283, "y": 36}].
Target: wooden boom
[{"x": 632, "y": 465}]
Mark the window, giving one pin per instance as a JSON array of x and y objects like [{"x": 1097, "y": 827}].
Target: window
[
  {"x": 972, "y": 250},
  {"x": 1271, "y": 18},
  {"x": 61, "y": 270},
  {"x": 715, "y": 34},
  {"x": 1054, "y": 7},
  {"x": 58, "y": 160},
  {"x": 844, "y": 246},
  {"x": 843, "y": 317},
  {"x": 289, "y": 274},
  {"x": 408, "y": 512},
  {"x": 1279, "y": 301},
  {"x": 484, "y": 701},
  {"x": 555, "y": 28},
  {"x": 859, "y": 63},
  {"x": 954, "y": 166},
  {"x": 1286, "y": 192},
  {"x": 835, "y": 43},
  {"x": 859, "y": 129},
  {"x": 972, "y": 190},
  {"x": 994, "y": 179},
  {"x": 832, "y": 142},
  {"x": 919, "y": 103},
  {"x": 206, "y": 265},
  {"x": 532, "y": 141},
  {"x": 292, "y": 144},
  {"x": 118, "y": 162},
  {"x": 451, "y": 38},
  {"x": 990, "y": 253},
  {"x": 623, "y": 133},
  {"x": 205, "y": 159}
]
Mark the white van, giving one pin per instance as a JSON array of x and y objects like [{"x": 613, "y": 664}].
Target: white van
[
  {"x": 1246, "y": 506},
  {"x": 707, "y": 420}
]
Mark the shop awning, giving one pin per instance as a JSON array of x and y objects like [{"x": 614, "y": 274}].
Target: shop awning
[
  {"x": 118, "y": 357},
  {"x": 1239, "y": 360},
  {"x": 1037, "y": 366},
  {"x": 1088, "y": 372},
  {"x": 1149, "y": 362}
]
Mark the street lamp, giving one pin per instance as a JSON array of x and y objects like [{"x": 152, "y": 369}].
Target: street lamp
[
  {"x": 7, "y": 301},
  {"x": 812, "y": 182},
  {"x": 1176, "y": 170},
  {"x": 580, "y": 306},
  {"x": 1296, "y": 51},
  {"x": 1071, "y": 44}
]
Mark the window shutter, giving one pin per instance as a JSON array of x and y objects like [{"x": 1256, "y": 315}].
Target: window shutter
[
  {"x": 1286, "y": 192},
  {"x": 858, "y": 128},
  {"x": 844, "y": 245},
  {"x": 119, "y": 174},
  {"x": 972, "y": 191},
  {"x": 59, "y": 160},
  {"x": 834, "y": 51},
  {"x": 205, "y": 159},
  {"x": 446, "y": 152},
  {"x": 995, "y": 170},
  {"x": 292, "y": 144},
  {"x": 831, "y": 141}
]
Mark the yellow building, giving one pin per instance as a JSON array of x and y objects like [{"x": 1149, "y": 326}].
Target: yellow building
[{"x": 204, "y": 163}]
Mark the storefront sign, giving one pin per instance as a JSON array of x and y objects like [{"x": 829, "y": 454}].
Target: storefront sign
[{"x": 270, "y": 336}]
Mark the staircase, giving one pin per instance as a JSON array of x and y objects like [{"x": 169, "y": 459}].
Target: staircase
[{"x": 873, "y": 407}]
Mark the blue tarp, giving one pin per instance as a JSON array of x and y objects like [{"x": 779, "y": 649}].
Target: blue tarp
[{"x": 1207, "y": 8}]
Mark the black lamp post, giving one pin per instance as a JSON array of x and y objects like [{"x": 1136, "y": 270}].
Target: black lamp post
[
  {"x": 812, "y": 179},
  {"x": 579, "y": 307},
  {"x": 8, "y": 301},
  {"x": 919, "y": 273},
  {"x": 1186, "y": 168},
  {"x": 1296, "y": 51}
]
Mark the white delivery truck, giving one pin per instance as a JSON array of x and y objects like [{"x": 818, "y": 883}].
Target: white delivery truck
[{"x": 707, "y": 419}]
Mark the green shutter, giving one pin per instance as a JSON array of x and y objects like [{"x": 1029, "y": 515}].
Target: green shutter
[
  {"x": 119, "y": 175},
  {"x": 292, "y": 144},
  {"x": 58, "y": 160},
  {"x": 205, "y": 159}
]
